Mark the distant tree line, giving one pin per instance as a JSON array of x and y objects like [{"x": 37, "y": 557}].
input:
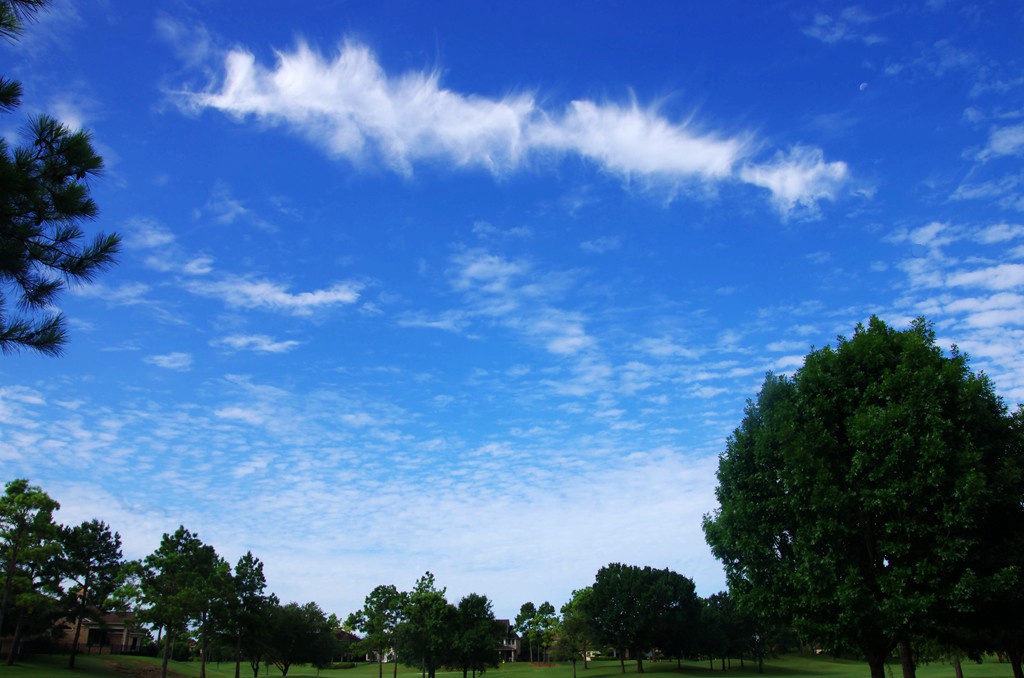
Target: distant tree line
[{"x": 54, "y": 576}]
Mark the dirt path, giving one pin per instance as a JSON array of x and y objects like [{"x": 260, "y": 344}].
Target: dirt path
[{"x": 130, "y": 669}]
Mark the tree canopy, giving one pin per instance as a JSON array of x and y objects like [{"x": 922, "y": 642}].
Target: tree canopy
[{"x": 850, "y": 495}]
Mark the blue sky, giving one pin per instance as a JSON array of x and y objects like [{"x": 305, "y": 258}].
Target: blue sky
[{"x": 482, "y": 288}]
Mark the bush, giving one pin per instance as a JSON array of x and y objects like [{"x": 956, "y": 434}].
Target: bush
[{"x": 343, "y": 665}]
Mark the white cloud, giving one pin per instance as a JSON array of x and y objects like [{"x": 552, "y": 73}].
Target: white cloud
[
  {"x": 127, "y": 294},
  {"x": 450, "y": 321},
  {"x": 243, "y": 292},
  {"x": 601, "y": 245},
  {"x": 631, "y": 140},
  {"x": 798, "y": 180},
  {"x": 351, "y": 107},
  {"x": 255, "y": 342},
  {"x": 247, "y": 415},
  {"x": 1000, "y": 233},
  {"x": 180, "y": 362},
  {"x": 1000, "y": 277},
  {"x": 846, "y": 27},
  {"x": 146, "y": 234},
  {"x": 1004, "y": 141}
]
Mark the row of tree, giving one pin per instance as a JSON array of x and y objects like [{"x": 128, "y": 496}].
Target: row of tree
[
  {"x": 421, "y": 628},
  {"x": 875, "y": 502},
  {"x": 55, "y": 576}
]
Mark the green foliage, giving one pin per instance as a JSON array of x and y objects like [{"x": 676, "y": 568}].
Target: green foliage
[
  {"x": 632, "y": 608},
  {"x": 475, "y": 636},
  {"x": 300, "y": 634},
  {"x": 28, "y": 543},
  {"x": 574, "y": 631},
  {"x": 378, "y": 620},
  {"x": 44, "y": 198},
  {"x": 425, "y": 634},
  {"x": 91, "y": 563},
  {"x": 182, "y": 583},
  {"x": 850, "y": 495}
]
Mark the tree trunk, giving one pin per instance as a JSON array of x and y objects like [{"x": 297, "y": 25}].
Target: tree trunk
[
  {"x": 957, "y": 667},
  {"x": 167, "y": 655},
  {"x": 639, "y": 662},
  {"x": 574, "y": 667},
  {"x": 74, "y": 642},
  {"x": 202, "y": 648},
  {"x": 907, "y": 659},
  {"x": 877, "y": 664},
  {"x": 1014, "y": 656},
  {"x": 622, "y": 661},
  {"x": 16, "y": 641},
  {"x": 760, "y": 662}
]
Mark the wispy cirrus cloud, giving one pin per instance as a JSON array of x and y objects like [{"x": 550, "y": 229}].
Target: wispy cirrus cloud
[
  {"x": 253, "y": 293},
  {"x": 178, "y": 361},
  {"x": 260, "y": 343},
  {"x": 850, "y": 24},
  {"x": 351, "y": 107}
]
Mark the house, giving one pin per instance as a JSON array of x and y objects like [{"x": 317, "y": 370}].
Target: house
[
  {"x": 111, "y": 633},
  {"x": 510, "y": 645}
]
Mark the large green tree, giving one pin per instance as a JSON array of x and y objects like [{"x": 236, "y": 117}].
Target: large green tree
[
  {"x": 247, "y": 625},
  {"x": 300, "y": 634},
  {"x": 850, "y": 494},
  {"x": 627, "y": 606},
  {"x": 91, "y": 565},
  {"x": 181, "y": 584},
  {"x": 44, "y": 199},
  {"x": 476, "y": 636},
  {"x": 378, "y": 620},
  {"x": 425, "y": 634}
]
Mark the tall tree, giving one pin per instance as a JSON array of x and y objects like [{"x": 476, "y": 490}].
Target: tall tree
[
  {"x": 544, "y": 626},
  {"x": 850, "y": 494},
  {"x": 247, "y": 617},
  {"x": 28, "y": 540},
  {"x": 91, "y": 564},
  {"x": 424, "y": 636},
  {"x": 526, "y": 622},
  {"x": 574, "y": 632},
  {"x": 476, "y": 636},
  {"x": 181, "y": 581},
  {"x": 44, "y": 198},
  {"x": 379, "y": 619}
]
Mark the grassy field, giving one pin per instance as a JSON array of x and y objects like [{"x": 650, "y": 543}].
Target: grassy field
[{"x": 107, "y": 666}]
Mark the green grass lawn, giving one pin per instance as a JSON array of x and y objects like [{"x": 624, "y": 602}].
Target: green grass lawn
[{"x": 107, "y": 666}]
